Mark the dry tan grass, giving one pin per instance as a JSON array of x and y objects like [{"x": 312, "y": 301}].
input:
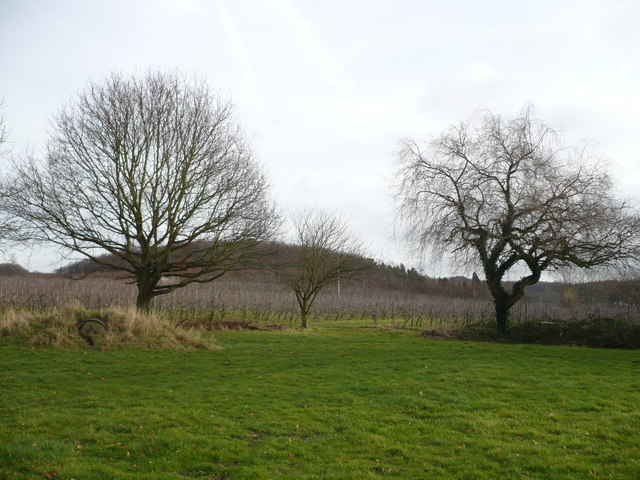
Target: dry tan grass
[
  {"x": 58, "y": 327},
  {"x": 12, "y": 320}
]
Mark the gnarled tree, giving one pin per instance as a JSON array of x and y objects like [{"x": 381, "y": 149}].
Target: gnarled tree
[
  {"x": 155, "y": 171},
  {"x": 507, "y": 194},
  {"x": 324, "y": 252}
]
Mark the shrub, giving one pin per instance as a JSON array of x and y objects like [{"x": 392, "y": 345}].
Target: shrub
[
  {"x": 605, "y": 332},
  {"x": 483, "y": 331},
  {"x": 546, "y": 332}
]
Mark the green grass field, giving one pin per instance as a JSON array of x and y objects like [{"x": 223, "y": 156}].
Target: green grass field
[{"x": 337, "y": 402}]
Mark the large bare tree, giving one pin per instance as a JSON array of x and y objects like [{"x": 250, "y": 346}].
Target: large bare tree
[
  {"x": 507, "y": 194},
  {"x": 155, "y": 171},
  {"x": 324, "y": 251}
]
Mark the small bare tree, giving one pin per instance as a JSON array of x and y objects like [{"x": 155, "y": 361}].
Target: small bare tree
[
  {"x": 505, "y": 193},
  {"x": 324, "y": 252},
  {"x": 154, "y": 171}
]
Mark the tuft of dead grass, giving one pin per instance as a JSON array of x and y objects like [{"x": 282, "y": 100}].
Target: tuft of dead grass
[
  {"x": 58, "y": 327},
  {"x": 226, "y": 325}
]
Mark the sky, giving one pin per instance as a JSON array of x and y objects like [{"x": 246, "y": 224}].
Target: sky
[{"x": 326, "y": 89}]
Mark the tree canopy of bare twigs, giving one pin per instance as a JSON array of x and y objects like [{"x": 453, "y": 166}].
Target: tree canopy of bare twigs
[
  {"x": 9, "y": 231},
  {"x": 325, "y": 252},
  {"x": 3, "y": 128},
  {"x": 506, "y": 193},
  {"x": 154, "y": 170}
]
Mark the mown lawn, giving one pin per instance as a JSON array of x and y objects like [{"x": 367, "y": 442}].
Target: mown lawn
[{"x": 337, "y": 402}]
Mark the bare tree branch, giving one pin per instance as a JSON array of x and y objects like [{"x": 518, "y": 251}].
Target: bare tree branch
[
  {"x": 3, "y": 128},
  {"x": 10, "y": 233}
]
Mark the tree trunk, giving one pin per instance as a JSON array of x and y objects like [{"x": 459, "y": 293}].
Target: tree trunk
[
  {"x": 502, "y": 315},
  {"x": 504, "y": 300},
  {"x": 145, "y": 295},
  {"x": 501, "y": 302},
  {"x": 305, "y": 302},
  {"x": 304, "y": 305}
]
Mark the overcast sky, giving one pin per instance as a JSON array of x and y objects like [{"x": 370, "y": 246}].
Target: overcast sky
[{"x": 327, "y": 88}]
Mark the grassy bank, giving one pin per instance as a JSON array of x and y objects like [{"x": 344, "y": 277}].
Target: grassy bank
[
  {"x": 336, "y": 402},
  {"x": 76, "y": 327}
]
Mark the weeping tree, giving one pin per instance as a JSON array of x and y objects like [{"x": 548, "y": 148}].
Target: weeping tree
[
  {"x": 154, "y": 171},
  {"x": 324, "y": 251},
  {"x": 505, "y": 193}
]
